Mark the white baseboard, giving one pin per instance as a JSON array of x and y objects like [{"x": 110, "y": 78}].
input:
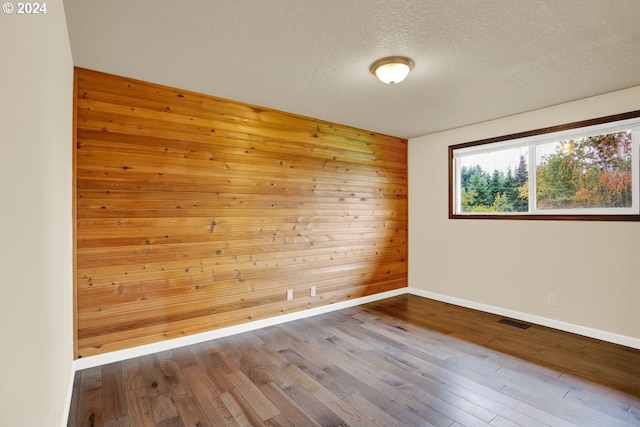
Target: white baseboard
[
  {"x": 539, "y": 320},
  {"x": 117, "y": 356},
  {"x": 64, "y": 419}
]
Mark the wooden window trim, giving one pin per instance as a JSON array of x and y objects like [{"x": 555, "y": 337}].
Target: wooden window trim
[{"x": 526, "y": 134}]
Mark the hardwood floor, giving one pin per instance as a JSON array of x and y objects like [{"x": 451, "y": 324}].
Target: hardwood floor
[{"x": 403, "y": 361}]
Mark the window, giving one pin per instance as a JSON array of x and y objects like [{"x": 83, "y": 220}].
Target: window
[{"x": 585, "y": 170}]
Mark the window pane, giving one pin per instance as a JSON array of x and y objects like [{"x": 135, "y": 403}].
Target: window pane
[
  {"x": 494, "y": 181},
  {"x": 590, "y": 172}
]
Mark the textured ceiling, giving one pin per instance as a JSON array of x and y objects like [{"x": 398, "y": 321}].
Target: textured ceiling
[{"x": 476, "y": 60}]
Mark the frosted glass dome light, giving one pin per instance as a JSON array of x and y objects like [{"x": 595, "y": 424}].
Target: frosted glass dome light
[{"x": 392, "y": 70}]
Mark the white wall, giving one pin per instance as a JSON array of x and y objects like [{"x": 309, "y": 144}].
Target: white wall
[
  {"x": 591, "y": 267},
  {"x": 35, "y": 218}
]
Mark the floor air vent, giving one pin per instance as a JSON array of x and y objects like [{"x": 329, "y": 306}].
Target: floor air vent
[{"x": 514, "y": 323}]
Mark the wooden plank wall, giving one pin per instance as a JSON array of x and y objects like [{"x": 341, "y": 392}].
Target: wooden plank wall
[{"x": 195, "y": 213}]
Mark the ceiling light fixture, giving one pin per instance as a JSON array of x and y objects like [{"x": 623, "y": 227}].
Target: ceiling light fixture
[{"x": 392, "y": 69}]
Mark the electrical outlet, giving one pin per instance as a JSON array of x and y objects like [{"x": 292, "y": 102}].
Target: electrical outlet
[
  {"x": 313, "y": 291},
  {"x": 290, "y": 295},
  {"x": 551, "y": 300}
]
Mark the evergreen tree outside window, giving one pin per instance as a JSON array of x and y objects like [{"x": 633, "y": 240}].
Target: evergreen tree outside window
[{"x": 585, "y": 170}]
